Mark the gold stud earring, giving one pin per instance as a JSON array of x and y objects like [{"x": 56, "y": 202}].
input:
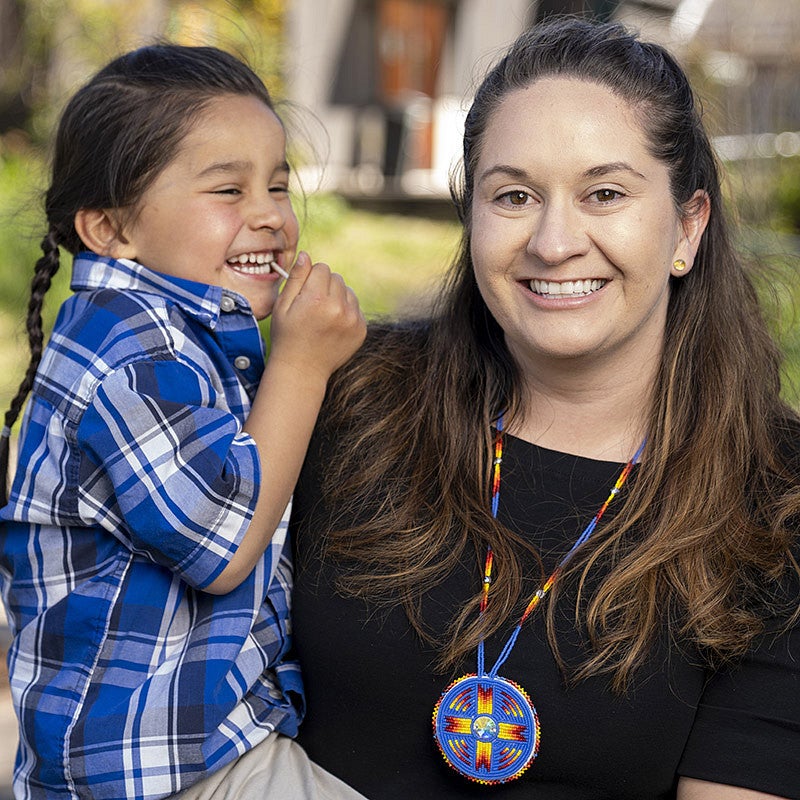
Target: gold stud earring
[{"x": 679, "y": 265}]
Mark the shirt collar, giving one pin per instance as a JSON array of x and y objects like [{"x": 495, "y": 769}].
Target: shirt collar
[{"x": 91, "y": 271}]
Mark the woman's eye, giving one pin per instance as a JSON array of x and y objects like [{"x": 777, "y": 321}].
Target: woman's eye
[
  {"x": 516, "y": 198},
  {"x": 606, "y": 195}
]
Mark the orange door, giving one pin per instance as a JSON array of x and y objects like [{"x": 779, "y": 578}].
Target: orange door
[{"x": 411, "y": 37}]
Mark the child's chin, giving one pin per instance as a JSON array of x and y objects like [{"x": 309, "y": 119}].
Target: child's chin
[{"x": 263, "y": 310}]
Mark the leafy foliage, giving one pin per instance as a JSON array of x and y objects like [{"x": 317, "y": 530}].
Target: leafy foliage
[
  {"x": 63, "y": 41},
  {"x": 787, "y": 194}
]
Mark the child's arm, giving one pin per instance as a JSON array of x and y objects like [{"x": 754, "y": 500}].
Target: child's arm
[{"x": 316, "y": 326}]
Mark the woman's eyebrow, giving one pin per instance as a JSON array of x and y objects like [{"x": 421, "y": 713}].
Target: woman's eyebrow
[
  {"x": 614, "y": 166},
  {"x": 517, "y": 174}
]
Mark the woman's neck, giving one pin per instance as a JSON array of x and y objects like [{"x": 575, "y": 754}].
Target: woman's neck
[{"x": 595, "y": 413}]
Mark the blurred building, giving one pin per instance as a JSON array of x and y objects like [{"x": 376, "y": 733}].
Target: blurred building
[
  {"x": 390, "y": 80},
  {"x": 748, "y": 55}
]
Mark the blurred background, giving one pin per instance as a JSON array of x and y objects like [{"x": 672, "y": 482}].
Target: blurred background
[{"x": 373, "y": 93}]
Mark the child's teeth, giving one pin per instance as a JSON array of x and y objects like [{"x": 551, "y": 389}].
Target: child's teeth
[
  {"x": 252, "y": 258},
  {"x": 254, "y": 263}
]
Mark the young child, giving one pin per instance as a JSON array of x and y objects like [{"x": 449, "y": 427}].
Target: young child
[{"x": 143, "y": 550}]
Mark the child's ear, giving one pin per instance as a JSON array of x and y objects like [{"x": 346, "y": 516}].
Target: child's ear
[{"x": 102, "y": 234}]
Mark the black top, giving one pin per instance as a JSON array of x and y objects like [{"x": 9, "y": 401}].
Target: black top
[{"x": 371, "y": 689}]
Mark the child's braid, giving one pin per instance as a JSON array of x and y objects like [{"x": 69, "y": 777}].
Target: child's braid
[{"x": 46, "y": 268}]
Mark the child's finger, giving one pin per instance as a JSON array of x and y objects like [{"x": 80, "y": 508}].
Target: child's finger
[
  {"x": 301, "y": 268},
  {"x": 298, "y": 275}
]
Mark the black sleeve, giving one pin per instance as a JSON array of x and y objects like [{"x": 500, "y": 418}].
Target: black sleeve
[{"x": 747, "y": 729}]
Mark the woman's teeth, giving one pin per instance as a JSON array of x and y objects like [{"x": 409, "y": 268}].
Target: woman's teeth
[
  {"x": 253, "y": 263},
  {"x": 566, "y": 288}
]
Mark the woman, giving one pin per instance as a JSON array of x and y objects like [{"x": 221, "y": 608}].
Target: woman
[{"x": 597, "y": 331}]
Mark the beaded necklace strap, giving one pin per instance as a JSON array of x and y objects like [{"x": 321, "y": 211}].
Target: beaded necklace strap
[
  {"x": 540, "y": 593},
  {"x": 486, "y": 726}
]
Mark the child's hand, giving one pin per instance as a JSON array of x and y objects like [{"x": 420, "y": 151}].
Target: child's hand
[
  {"x": 316, "y": 326},
  {"x": 316, "y": 322}
]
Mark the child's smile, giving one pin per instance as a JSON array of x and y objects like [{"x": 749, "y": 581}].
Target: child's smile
[
  {"x": 253, "y": 263},
  {"x": 220, "y": 212}
]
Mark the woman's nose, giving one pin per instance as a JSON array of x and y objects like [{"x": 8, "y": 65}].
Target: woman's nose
[{"x": 558, "y": 234}]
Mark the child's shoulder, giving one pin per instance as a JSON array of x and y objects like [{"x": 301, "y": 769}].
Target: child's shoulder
[
  {"x": 100, "y": 333},
  {"x": 106, "y": 318},
  {"x": 105, "y": 330}
]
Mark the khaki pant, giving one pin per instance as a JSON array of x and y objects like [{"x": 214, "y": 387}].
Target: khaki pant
[{"x": 276, "y": 769}]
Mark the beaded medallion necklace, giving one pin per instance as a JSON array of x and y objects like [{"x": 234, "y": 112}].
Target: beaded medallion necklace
[{"x": 485, "y": 725}]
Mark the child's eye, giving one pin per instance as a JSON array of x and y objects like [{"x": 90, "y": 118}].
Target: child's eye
[
  {"x": 228, "y": 190},
  {"x": 279, "y": 189}
]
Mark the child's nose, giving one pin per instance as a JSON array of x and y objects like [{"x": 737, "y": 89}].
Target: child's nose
[{"x": 268, "y": 212}]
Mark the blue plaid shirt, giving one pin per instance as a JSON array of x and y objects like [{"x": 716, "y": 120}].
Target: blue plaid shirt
[{"x": 134, "y": 488}]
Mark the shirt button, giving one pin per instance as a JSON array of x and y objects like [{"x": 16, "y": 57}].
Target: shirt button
[
  {"x": 227, "y": 303},
  {"x": 241, "y": 362}
]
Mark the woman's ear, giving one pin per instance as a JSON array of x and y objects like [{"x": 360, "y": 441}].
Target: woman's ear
[
  {"x": 102, "y": 234},
  {"x": 697, "y": 211}
]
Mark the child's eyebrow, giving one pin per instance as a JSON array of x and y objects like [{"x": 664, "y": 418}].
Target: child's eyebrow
[{"x": 228, "y": 167}]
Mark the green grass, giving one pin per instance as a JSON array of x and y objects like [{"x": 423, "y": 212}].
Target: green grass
[
  {"x": 778, "y": 281},
  {"x": 392, "y": 261}
]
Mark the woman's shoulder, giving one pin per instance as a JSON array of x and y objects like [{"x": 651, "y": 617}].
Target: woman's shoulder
[
  {"x": 390, "y": 350},
  {"x": 786, "y": 430},
  {"x": 401, "y": 334},
  {"x": 381, "y": 376}
]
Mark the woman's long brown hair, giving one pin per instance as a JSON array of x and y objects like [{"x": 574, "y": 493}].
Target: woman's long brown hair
[{"x": 703, "y": 543}]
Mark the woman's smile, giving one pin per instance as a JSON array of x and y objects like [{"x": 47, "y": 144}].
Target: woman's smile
[
  {"x": 566, "y": 289},
  {"x": 574, "y": 230}
]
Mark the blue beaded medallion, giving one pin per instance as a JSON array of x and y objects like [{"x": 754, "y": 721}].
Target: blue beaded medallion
[{"x": 486, "y": 728}]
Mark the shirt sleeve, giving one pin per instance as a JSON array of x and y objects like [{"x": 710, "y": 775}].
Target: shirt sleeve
[
  {"x": 747, "y": 729},
  {"x": 167, "y": 468}
]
